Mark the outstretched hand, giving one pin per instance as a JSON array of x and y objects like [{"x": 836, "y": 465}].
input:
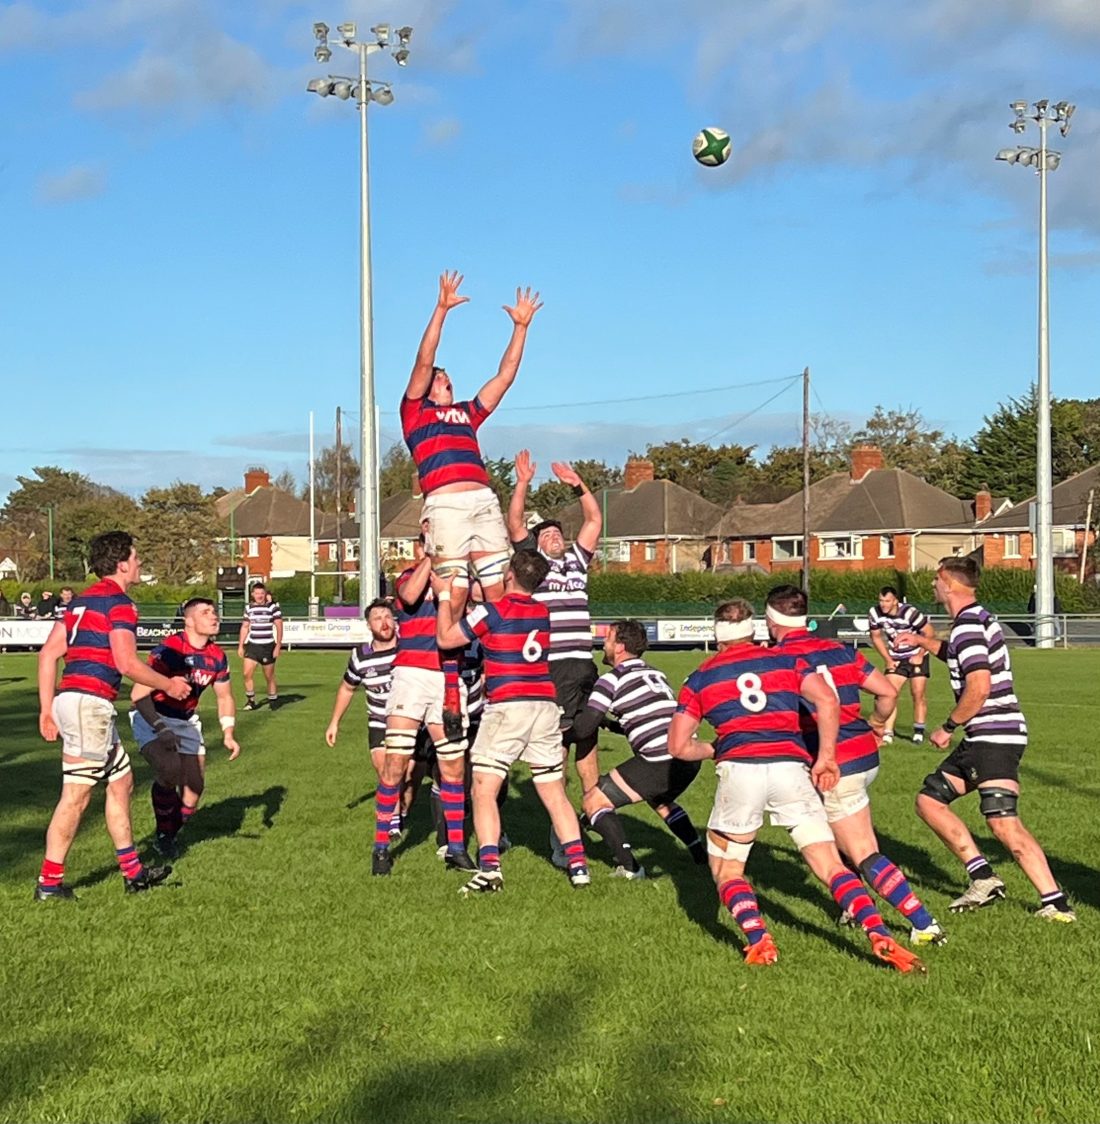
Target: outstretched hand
[
  {"x": 448, "y": 290},
  {"x": 564, "y": 472},
  {"x": 525, "y": 467},
  {"x": 523, "y": 311}
]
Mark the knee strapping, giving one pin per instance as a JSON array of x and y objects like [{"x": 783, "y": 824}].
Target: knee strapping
[
  {"x": 489, "y": 569},
  {"x": 492, "y": 768},
  {"x": 402, "y": 742},
  {"x": 456, "y": 568},
  {"x": 611, "y": 790},
  {"x": 998, "y": 803},
  {"x": 808, "y": 833},
  {"x": 450, "y": 749},
  {"x": 728, "y": 850},
  {"x": 937, "y": 787},
  {"x": 543, "y": 774}
]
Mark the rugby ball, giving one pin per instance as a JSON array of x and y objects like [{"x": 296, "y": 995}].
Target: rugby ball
[{"x": 711, "y": 146}]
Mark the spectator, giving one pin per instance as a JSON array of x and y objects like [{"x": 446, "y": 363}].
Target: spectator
[
  {"x": 44, "y": 610},
  {"x": 5, "y": 605},
  {"x": 25, "y": 608},
  {"x": 63, "y": 600}
]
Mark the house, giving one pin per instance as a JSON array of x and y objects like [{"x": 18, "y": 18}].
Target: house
[
  {"x": 1007, "y": 539},
  {"x": 649, "y": 526},
  {"x": 869, "y": 517},
  {"x": 269, "y": 529}
]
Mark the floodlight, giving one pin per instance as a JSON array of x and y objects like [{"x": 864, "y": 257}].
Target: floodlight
[
  {"x": 1019, "y": 125},
  {"x": 342, "y": 88},
  {"x": 322, "y": 53},
  {"x": 381, "y": 32},
  {"x": 322, "y": 86},
  {"x": 321, "y": 31},
  {"x": 401, "y": 57},
  {"x": 346, "y": 31},
  {"x": 383, "y": 95},
  {"x": 404, "y": 34},
  {"x": 1019, "y": 108},
  {"x": 1053, "y": 160},
  {"x": 1041, "y": 106}
]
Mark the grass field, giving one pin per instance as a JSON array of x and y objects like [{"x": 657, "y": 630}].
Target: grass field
[{"x": 273, "y": 980}]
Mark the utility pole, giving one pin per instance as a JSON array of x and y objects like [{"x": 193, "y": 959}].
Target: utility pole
[{"x": 806, "y": 484}]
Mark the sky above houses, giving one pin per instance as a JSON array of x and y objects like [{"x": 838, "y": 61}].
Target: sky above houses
[{"x": 180, "y": 221}]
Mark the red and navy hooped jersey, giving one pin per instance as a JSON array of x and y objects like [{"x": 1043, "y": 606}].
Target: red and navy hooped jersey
[
  {"x": 89, "y": 619},
  {"x": 176, "y": 655},
  {"x": 845, "y": 670},
  {"x": 751, "y": 697},
  {"x": 443, "y": 442},
  {"x": 515, "y": 636},
  {"x": 416, "y": 646}
]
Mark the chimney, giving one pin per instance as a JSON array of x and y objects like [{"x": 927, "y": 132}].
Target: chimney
[
  {"x": 256, "y": 478},
  {"x": 865, "y": 458},
  {"x": 637, "y": 471},
  {"x": 983, "y": 504}
]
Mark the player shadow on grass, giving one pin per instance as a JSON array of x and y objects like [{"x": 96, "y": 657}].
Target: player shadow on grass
[
  {"x": 918, "y": 864},
  {"x": 1056, "y": 780},
  {"x": 1080, "y": 882}
]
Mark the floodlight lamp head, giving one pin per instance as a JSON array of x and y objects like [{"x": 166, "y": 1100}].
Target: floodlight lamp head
[
  {"x": 1019, "y": 108},
  {"x": 1053, "y": 160},
  {"x": 320, "y": 86},
  {"x": 1041, "y": 107},
  {"x": 383, "y": 95},
  {"x": 404, "y": 34},
  {"x": 347, "y": 31},
  {"x": 381, "y": 32},
  {"x": 342, "y": 89},
  {"x": 1019, "y": 125},
  {"x": 322, "y": 53},
  {"x": 320, "y": 30},
  {"x": 401, "y": 57}
]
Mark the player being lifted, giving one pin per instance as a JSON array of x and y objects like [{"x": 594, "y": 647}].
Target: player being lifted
[
  {"x": 168, "y": 730},
  {"x": 642, "y": 703},
  {"x": 521, "y": 715},
  {"x": 848, "y": 806},
  {"x": 751, "y": 697},
  {"x": 466, "y": 529}
]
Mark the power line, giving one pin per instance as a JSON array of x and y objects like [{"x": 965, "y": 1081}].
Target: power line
[{"x": 745, "y": 417}]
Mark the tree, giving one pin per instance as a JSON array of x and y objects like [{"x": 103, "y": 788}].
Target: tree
[
  {"x": 324, "y": 478},
  {"x": 695, "y": 466},
  {"x": 398, "y": 471},
  {"x": 179, "y": 531},
  {"x": 904, "y": 438},
  {"x": 285, "y": 482},
  {"x": 552, "y": 497},
  {"x": 502, "y": 478},
  {"x": 782, "y": 468}
]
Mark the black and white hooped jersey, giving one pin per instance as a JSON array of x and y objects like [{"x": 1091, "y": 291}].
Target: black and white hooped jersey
[
  {"x": 373, "y": 671},
  {"x": 261, "y": 622},
  {"x": 640, "y": 697},
  {"x": 472, "y": 673},
  {"x": 564, "y": 592},
  {"x": 976, "y": 643},
  {"x": 908, "y": 618}
]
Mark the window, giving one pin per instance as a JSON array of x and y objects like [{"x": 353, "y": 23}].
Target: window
[
  {"x": 784, "y": 550},
  {"x": 251, "y": 548},
  {"x": 850, "y": 546},
  {"x": 651, "y": 552},
  {"x": 1012, "y": 546},
  {"x": 748, "y": 552},
  {"x": 1064, "y": 540},
  {"x": 351, "y": 550},
  {"x": 886, "y": 546}
]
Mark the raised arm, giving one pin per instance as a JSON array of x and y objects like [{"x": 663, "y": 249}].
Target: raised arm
[
  {"x": 521, "y": 313},
  {"x": 517, "y": 505},
  {"x": 589, "y": 534},
  {"x": 420, "y": 380}
]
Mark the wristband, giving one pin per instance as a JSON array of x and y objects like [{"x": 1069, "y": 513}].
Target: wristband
[
  {"x": 578, "y": 489},
  {"x": 227, "y": 721},
  {"x": 160, "y": 724},
  {"x": 950, "y": 725},
  {"x": 443, "y": 595}
]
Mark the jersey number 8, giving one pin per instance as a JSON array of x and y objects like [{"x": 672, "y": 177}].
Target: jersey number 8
[{"x": 751, "y": 691}]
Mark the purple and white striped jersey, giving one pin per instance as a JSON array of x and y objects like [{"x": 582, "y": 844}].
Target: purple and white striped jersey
[
  {"x": 908, "y": 618},
  {"x": 976, "y": 643},
  {"x": 641, "y": 699},
  {"x": 564, "y": 592},
  {"x": 373, "y": 671},
  {"x": 472, "y": 673}
]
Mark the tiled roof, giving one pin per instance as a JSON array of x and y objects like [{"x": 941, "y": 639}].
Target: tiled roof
[
  {"x": 1069, "y": 500},
  {"x": 654, "y": 509}
]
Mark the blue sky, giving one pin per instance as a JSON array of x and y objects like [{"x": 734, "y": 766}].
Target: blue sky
[{"x": 181, "y": 221}]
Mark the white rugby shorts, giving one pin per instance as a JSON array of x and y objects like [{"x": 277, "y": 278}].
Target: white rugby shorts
[
  {"x": 746, "y": 791},
  {"x": 518, "y": 731},
  {"x": 88, "y": 732},
  {"x": 849, "y": 796},
  {"x": 188, "y": 730},
  {"x": 462, "y": 523}
]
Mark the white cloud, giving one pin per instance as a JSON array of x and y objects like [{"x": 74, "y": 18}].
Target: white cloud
[
  {"x": 443, "y": 132},
  {"x": 82, "y": 181}
]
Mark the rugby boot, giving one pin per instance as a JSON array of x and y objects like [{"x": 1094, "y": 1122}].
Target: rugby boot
[
  {"x": 166, "y": 846},
  {"x": 980, "y": 892},
  {"x": 484, "y": 882},
  {"x": 888, "y": 737},
  {"x": 250, "y": 704},
  {"x": 763, "y": 952},
  {"x": 58, "y": 893},
  {"x": 452, "y": 713},
  {"x": 847, "y": 920},
  {"x": 628, "y": 875},
  {"x": 890, "y": 952},
  {"x": 459, "y": 860},
  {"x": 580, "y": 877},
  {"x": 380, "y": 862},
  {"x": 1053, "y": 913},
  {"x": 149, "y": 877},
  {"x": 932, "y": 934}
]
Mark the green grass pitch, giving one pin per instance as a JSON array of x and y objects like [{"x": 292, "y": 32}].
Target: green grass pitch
[{"x": 273, "y": 980}]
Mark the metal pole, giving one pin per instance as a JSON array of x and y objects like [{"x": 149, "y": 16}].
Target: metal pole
[
  {"x": 1043, "y": 545},
  {"x": 806, "y": 483},
  {"x": 312, "y": 521},
  {"x": 49, "y": 523},
  {"x": 339, "y": 521},
  {"x": 368, "y": 443}
]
